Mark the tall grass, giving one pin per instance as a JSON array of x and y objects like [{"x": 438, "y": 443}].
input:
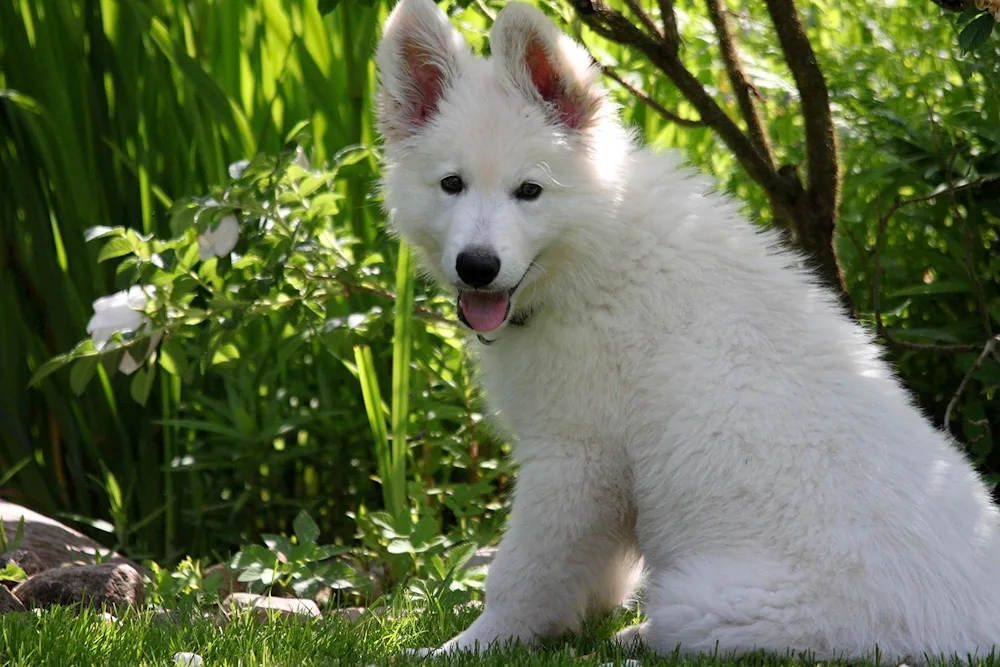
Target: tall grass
[{"x": 108, "y": 111}]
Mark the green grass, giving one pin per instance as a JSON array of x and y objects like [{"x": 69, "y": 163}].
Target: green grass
[{"x": 59, "y": 637}]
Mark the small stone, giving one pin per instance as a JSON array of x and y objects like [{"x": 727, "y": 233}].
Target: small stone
[
  {"x": 352, "y": 614},
  {"x": 482, "y": 558},
  {"x": 109, "y": 618},
  {"x": 627, "y": 663},
  {"x": 167, "y": 617},
  {"x": 188, "y": 659},
  {"x": 9, "y": 603},
  {"x": 290, "y": 609},
  {"x": 112, "y": 585}
]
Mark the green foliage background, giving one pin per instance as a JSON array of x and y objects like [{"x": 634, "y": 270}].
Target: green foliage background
[{"x": 112, "y": 110}]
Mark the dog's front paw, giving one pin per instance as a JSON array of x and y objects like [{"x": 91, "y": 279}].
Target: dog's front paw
[{"x": 489, "y": 631}]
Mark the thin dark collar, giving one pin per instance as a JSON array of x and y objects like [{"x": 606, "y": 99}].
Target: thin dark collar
[{"x": 517, "y": 320}]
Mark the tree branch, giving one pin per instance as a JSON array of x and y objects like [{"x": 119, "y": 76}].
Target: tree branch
[
  {"x": 649, "y": 101},
  {"x": 821, "y": 138},
  {"x": 612, "y": 25},
  {"x": 738, "y": 80},
  {"x": 644, "y": 18},
  {"x": 988, "y": 349},
  {"x": 671, "y": 36}
]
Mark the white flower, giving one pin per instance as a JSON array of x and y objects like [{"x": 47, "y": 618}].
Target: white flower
[
  {"x": 188, "y": 659},
  {"x": 123, "y": 312},
  {"x": 237, "y": 168},
  {"x": 220, "y": 241}
]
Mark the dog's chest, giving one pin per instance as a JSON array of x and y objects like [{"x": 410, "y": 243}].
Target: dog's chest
[{"x": 559, "y": 385}]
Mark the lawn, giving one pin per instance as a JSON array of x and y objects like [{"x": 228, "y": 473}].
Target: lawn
[{"x": 61, "y": 638}]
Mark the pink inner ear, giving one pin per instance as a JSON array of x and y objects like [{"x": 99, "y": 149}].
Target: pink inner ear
[
  {"x": 428, "y": 82},
  {"x": 549, "y": 84}
]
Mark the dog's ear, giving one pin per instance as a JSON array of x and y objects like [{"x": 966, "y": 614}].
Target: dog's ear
[
  {"x": 546, "y": 65},
  {"x": 419, "y": 56}
]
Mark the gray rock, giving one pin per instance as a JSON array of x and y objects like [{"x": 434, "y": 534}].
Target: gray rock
[
  {"x": 52, "y": 543},
  {"x": 188, "y": 659},
  {"x": 352, "y": 614},
  {"x": 9, "y": 603},
  {"x": 288, "y": 609},
  {"x": 482, "y": 558},
  {"x": 107, "y": 586}
]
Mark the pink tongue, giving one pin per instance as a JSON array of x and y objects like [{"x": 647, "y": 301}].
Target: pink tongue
[{"x": 484, "y": 311}]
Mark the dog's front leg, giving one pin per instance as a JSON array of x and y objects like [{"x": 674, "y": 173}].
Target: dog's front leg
[{"x": 568, "y": 547}]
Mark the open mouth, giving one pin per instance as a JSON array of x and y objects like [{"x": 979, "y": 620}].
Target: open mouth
[{"x": 484, "y": 311}]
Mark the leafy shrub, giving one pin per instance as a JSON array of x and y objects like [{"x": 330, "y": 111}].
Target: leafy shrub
[{"x": 260, "y": 279}]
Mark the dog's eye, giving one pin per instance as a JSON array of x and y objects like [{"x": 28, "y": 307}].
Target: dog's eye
[
  {"x": 453, "y": 185},
  {"x": 528, "y": 191}
]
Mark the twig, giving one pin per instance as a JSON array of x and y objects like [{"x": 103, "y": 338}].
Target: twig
[
  {"x": 644, "y": 18},
  {"x": 647, "y": 100},
  {"x": 671, "y": 36},
  {"x": 738, "y": 79},
  {"x": 988, "y": 349}
]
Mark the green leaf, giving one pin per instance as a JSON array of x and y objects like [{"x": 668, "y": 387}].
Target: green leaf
[
  {"x": 142, "y": 384},
  {"x": 48, "y": 368},
  {"x": 226, "y": 353},
  {"x": 936, "y": 287},
  {"x": 19, "y": 533},
  {"x": 976, "y": 33},
  {"x": 349, "y": 155},
  {"x": 100, "y": 232},
  {"x": 293, "y": 134},
  {"x": 9, "y": 475},
  {"x": 172, "y": 358},
  {"x": 402, "y": 347},
  {"x": 24, "y": 102},
  {"x": 305, "y": 528},
  {"x": 252, "y": 572},
  {"x": 252, "y": 554},
  {"x": 326, "y": 6},
  {"x": 400, "y": 546},
  {"x": 391, "y": 495},
  {"x": 83, "y": 371},
  {"x": 13, "y": 572},
  {"x": 461, "y": 555},
  {"x": 969, "y": 13},
  {"x": 116, "y": 247}
]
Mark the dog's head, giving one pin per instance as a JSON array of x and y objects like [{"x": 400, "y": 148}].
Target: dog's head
[{"x": 496, "y": 168}]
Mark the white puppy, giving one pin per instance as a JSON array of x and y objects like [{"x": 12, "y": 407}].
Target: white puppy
[{"x": 680, "y": 395}]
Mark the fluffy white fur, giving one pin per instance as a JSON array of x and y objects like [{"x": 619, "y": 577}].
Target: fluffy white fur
[{"x": 684, "y": 400}]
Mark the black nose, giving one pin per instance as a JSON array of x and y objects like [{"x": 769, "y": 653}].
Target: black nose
[{"x": 477, "y": 266}]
